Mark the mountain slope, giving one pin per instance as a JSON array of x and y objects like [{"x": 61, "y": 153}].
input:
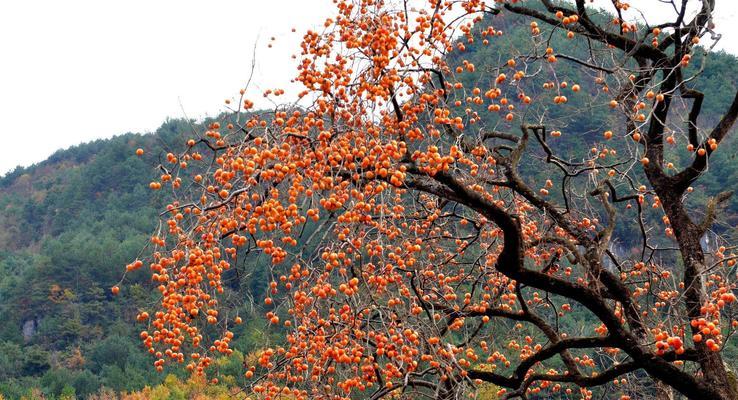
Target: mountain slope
[{"x": 70, "y": 224}]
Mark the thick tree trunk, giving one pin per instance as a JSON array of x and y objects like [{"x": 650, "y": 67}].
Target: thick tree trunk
[{"x": 688, "y": 236}]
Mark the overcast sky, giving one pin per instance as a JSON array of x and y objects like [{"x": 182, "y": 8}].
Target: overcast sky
[{"x": 76, "y": 70}]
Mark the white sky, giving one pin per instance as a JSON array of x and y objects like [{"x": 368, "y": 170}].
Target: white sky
[{"x": 77, "y": 70}]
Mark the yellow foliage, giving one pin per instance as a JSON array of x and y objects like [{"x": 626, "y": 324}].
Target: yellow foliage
[
  {"x": 194, "y": 388},
  {"x": 486, "y": 390}
]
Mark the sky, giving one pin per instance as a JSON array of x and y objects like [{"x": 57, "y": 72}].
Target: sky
[{"x": 77, "y": 70}]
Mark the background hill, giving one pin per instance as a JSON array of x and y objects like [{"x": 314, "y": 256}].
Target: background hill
[{"x": 71, "y": 223}]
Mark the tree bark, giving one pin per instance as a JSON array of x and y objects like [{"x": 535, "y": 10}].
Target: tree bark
[{"x": 688, "y": 236}]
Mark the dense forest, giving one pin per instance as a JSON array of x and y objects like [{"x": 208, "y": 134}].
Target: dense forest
[{"x": 71, "y": 224}]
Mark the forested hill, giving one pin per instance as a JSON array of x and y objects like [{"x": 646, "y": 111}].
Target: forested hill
[{"x": 71, "y": 223}]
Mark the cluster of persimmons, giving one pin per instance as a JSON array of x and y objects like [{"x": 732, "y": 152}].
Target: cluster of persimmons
[{"x": 375, "y": 278}]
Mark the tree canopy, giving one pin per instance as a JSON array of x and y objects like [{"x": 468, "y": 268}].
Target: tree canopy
[{"x": 427, "y": 234}]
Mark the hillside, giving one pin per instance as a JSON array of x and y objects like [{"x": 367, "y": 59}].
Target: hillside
[{"x": 71, "y": 223}]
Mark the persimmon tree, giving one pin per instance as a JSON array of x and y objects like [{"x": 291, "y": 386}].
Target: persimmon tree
[{"x": 410, "y": 256}]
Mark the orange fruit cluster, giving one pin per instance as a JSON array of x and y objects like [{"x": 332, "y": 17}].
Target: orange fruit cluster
[{"x": 376, "y": 277}]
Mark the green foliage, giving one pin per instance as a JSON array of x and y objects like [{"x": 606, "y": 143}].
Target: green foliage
[
  {"x": 111, "y": 351},
  {"x": 71, "y": 224}
]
